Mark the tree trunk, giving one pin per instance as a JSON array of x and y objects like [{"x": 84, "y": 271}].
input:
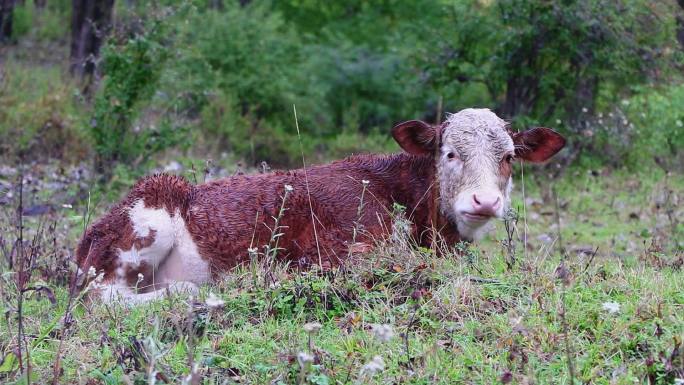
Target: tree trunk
[
  {"x": 40, "y": 4},
  {"x": 6, "y": 9},
  {"x": 216, "y": 4},
  {"x": 90, "y": 22},
  {"x": 680, "y": 24}
]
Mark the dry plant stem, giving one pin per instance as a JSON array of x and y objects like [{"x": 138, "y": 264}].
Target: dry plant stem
[
  {"x": 591, "y": 259},
  {"x": 271, "y": 250},
  {"x": 510, "y": 224},
  {"x": 70, "y": 301},
  {"x": 561, "y": 250},
  {"x": 349, "y": 370},
  {"x": 359, "y": 213},
  {"x": 565, "y": 282},
  {"x": 21, "y": 280},
  {"x": 195, "y": 378},
  {"x": 435, "y": 202},
  {"x": 406, "y": 336},
  {"x": 566, "y": 337},
  {"x": 193, "y": 171},
  {"x": 306, "y": 182},
  {"x": 524, "y": 198}
]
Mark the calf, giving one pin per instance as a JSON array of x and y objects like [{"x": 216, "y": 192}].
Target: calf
[{"x": 453, "y": 178}]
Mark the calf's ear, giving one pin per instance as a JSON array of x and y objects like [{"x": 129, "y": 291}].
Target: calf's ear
[
  {"x": 537, "y": 144},
  {"x": 415, "y": 137}
]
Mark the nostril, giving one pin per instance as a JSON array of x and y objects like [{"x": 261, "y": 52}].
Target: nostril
[{"x": 475, "y": 199}]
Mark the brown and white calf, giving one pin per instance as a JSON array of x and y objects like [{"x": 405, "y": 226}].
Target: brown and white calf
[{"x": 170, "y": 233}]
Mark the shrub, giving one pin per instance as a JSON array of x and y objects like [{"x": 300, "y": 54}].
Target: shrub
[
  {"x": 132, "y": 68},
  {"x": 659, "y": 121}
]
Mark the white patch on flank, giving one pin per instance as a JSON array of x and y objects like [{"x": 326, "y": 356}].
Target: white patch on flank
[
  {"x": 184, "y": 262},
  {"x": 173, "y": 256},
  {"x": 144, "y": 220}
]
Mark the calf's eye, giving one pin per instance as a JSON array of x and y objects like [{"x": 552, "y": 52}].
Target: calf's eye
[
  {"x": 508, "y": 158},
  {"x": 451, "y": 155}
]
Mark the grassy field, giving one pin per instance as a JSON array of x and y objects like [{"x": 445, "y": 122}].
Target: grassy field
[{"x": 597, "y": 295}]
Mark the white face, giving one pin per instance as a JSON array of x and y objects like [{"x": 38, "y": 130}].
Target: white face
[
  {"x": 474, "y": 169},
  {"x": 474, "y": 162}
]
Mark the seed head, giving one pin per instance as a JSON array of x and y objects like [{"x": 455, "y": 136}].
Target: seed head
[
  {"x": 304, "y": 358},
  {"x": 383, "y": 332},
  {"x": 611, "y": 307},
  {"x": 373, "y": 366},
  {"x": 312, "y": 327},
  {"x": 214, "y": 302}
]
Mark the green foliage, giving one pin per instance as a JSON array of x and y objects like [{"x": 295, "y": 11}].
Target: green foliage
[
  {"x": 542, "y": 61},
  {"x": 133, "y": 67},
  {"x": 21, "y": 20},
  {"x": 364, "y": 65},
  {"x": 660, "y": 120},
  {"x": 47, "y": 25},
  {"x": 355, "y": 68},
  {"x": 240, "y": 71}
]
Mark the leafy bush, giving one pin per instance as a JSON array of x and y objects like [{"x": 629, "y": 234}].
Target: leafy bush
[
  {"x": 353, "y": 69},
  {"x": 132, "y": 67},
  {"x": 659, "y": 119},
  {"x": 542, "y": 61},
  {"x": 241, "y": 73}
]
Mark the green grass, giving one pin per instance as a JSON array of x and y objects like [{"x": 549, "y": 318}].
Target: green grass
[{"x": 465, "y": 317}]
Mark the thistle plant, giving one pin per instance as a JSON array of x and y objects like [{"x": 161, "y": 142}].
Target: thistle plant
[
  {"x": 358, "y": 226},
  {"x": 271, "y": 249}
]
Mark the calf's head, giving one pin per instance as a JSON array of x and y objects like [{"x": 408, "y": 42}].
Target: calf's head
[{"x": 474, "y": 162}]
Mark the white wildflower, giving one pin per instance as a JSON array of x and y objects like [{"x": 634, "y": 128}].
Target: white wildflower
[
  {"x": 96, "y": 283},
  {"x": 679, "y": 381},
  {"x": 383, "y": 332},
  {"x": 140, "y": 277},
  {"x": 600, "y": 114},
  {"x": 312, "y": 327},
  {"x": 91, "y": 272},
  {"x": 600, "y": 121},
  {"x": 252, "y": 251},
  {"x": 611, "y": 307},
  {"x": 304, "y": 358},
  {"x": 373, "y": 366},
  {"x": 558, "y": 121},
  {"x": 625, "y": 102},
  {"x": 585, "y": 109},
  {"x": 679, "y": 123},
  {"x": 625, "y": 122},
  {"x": 214, "y": 302},
  {"x": 610, "y": 114},
  {"x": 365, "y": 182},
  {"x": 288, "y": 188},
  {"x": 67, "y": 206}
]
